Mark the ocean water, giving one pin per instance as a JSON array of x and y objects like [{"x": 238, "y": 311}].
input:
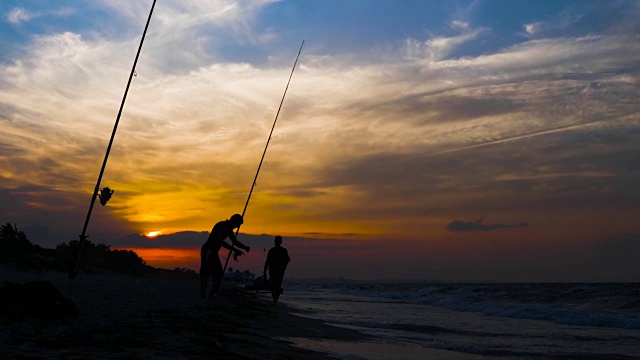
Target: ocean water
[{"x": 475, "y": 321}]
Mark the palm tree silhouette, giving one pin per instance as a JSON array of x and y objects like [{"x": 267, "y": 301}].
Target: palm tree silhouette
[
  {"x": 10, "y": 235},
  {"x": 14, "y": 245}
]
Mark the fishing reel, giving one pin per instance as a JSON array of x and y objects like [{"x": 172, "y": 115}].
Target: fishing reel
[
  {"x": 105, "y": 195},
  {"x": 236, "y": 255}
]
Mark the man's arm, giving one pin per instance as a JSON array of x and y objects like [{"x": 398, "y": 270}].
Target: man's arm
[
  {"x": 286, "y": 260},
  {"x": 227, "y": 246},
  {"x": 235, "y": 241},
  {"x": 266, "y": 264}
]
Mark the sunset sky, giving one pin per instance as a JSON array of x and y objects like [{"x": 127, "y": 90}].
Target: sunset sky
[{"x": 445, "y": 140}]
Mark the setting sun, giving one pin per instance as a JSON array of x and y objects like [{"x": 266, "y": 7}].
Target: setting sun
[{"x": 152, "y": 234}]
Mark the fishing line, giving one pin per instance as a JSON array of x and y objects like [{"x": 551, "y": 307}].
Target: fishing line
[{"x": 260, "y": 164}]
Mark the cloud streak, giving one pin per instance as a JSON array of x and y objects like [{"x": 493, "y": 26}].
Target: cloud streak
[
  {"x": 20, "y": 15},
  {"x": 459, "y": 225}
]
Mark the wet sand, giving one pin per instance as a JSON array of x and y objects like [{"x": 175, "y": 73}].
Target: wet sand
[{"x": 129, "y": 317}]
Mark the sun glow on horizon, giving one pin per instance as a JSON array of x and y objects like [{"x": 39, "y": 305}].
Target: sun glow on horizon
[{"x": 168, "y": 257}]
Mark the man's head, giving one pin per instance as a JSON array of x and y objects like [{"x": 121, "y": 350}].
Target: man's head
[
  {"x": 278, "y": 240},
  {"x": 236, "y": 220}
]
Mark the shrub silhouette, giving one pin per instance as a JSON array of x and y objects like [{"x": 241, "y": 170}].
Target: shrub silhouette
[
  {"x": 15, "y": 248},
  {"x": 100, "y": 258}
]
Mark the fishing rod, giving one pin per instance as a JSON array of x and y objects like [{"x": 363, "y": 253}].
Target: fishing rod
[
  {"x": 106, "y": 193},
  {"x": 259, "y": 166}
]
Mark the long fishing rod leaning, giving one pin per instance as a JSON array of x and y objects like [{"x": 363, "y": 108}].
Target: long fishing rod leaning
[
  {"x": 106, "y": 191},
  {"x": 226, "y": 263}
]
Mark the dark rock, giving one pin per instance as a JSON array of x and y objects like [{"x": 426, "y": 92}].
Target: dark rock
[{"x": 35, "y": 300}]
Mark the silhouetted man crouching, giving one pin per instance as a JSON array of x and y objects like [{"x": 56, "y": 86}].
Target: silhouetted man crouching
[{"x": 210, "y": 265}]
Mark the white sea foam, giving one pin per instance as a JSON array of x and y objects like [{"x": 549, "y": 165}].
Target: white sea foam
[{"x": 505, "y": 320}]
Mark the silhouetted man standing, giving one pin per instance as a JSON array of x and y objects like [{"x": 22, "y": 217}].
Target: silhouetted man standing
[
  {"x": 209, "y": 261},
  {"x": 277, "y": 261}
]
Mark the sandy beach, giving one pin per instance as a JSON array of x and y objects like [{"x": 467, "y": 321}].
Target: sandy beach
[
  {"x": 159, "y": 316},
  {"x": 130, "y": 317}
]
